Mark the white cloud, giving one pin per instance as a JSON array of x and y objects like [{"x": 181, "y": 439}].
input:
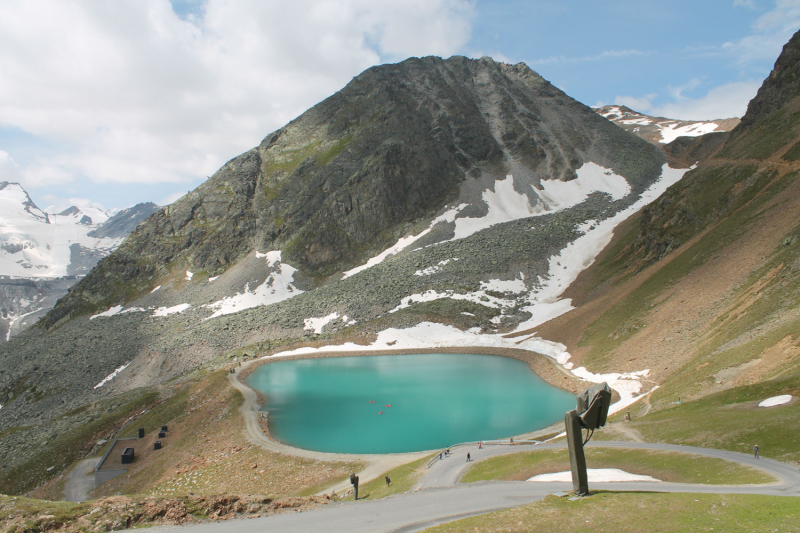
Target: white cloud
[
  {"x": 9, "y": 170},
  {"x": 771, "y": 31},
  {"x": 677, "y": 92},
  {"x": 59, "y": 204},
  {"x": 725, "y": 101},
  {"x": 498, "y": 56},
  {"x": 607, "y": 54},
  {"x": 643, "y": 104},
  {"x": 132, "y": 93}
]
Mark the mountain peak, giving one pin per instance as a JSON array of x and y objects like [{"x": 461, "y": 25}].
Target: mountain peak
[
  {"x": 660, "y": 130},
  {"x": 16, "y": 205},
  {"x": 781, "y": 86},
  {"x": 390, "y": 152}
]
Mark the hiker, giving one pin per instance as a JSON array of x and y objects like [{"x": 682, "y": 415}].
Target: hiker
[
  {"x": 468, "y": 457},
  {"x": 388, "y": 481},
  {"x": 755, "y": 451},
  {"x": 480, "y": 445},
  {"x": 512, "y": 441},
  {"x": 440, "y": 456}
]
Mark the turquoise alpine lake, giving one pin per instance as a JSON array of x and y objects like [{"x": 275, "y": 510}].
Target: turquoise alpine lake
[{"x": 404, "y": 403}]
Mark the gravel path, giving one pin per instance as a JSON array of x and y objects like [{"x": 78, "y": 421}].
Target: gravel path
[{"x": 80, "y": 481}]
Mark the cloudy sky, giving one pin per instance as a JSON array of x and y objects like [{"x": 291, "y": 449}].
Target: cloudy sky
[{"x": 115, "y": 103}]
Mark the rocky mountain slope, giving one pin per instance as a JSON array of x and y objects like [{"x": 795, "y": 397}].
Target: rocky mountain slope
[
  {"x": 43, "y": 254},
  {"x": 660, "y": 130},
  {"x": 702, "y": 286},
  {"x": 355, "y": 173},
  {"x": 466, "y": 192}
]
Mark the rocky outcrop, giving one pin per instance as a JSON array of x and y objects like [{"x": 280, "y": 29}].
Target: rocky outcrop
[
  {"x": 780, "y": 88},
  {"x": 125, "y": 221}
]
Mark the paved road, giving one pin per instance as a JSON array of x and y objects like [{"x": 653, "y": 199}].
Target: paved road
[
  {"x": 448, "y": 472},
  {"x": 417, "y": 510},
  {"x": 80, "y": 481}
]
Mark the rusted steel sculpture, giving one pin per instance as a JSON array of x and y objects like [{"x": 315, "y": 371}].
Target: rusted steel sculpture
[{"x": 592, "y": 411}]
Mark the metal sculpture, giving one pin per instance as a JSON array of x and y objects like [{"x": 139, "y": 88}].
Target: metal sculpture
[{"x": 591, "y": 413}]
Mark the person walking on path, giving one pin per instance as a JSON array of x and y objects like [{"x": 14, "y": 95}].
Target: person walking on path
[
  {"x": 480, "y": 446},
  {"x": 468, "y": 457},
  {"x": 755, "y": 451},
  {"x": 388, "y": 481}
]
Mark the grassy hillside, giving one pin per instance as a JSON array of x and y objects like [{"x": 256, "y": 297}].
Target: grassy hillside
[
  {"x": 702, "y": 288},
  {"x": 639, "y": 512}
]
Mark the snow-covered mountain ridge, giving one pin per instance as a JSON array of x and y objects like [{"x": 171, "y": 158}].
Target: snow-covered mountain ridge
[
  {"x": 660, "y": 130},
  {"x": 35, "y": 244},
  {"x": 42, "y": 254}
]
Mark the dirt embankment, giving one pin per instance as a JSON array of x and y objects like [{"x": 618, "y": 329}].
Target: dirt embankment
[{"x": 121, "y": 512}]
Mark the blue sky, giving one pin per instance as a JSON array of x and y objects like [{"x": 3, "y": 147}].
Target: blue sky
[{"x": 115, "y": 103}]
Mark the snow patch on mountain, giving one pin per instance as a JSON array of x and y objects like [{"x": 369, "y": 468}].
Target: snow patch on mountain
[
  {"x": 505, "y": 204},
  {"x": 111, "y": 376},
  {"x": 278, "y": 286},
  {"x": 659, "y": 130},
  {"x": 545, "y": 299},
  {"x": 670, "y": 132},
  {"x": 401, "y": 245},
  {"x": 316, "y": 324},
  {"x": 595, "y": 475},
  {"x": 515, "y": 286},
  {"x": 477, "y": 297},
  {"x": 166, "y": 311},
  {"x": 13, "y": 318},
  {"x": 111, "y": 312},
  {"x": 435, "y": 268}
]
